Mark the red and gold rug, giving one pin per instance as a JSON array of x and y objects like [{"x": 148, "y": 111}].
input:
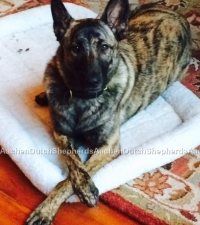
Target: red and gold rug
[{"x": 170, "y": 194}]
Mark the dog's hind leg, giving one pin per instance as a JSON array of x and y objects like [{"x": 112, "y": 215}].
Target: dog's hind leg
[{"x": 46, "y": 211}]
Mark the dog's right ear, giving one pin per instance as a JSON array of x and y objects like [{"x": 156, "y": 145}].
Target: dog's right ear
[{"x": 61, "y": 18}]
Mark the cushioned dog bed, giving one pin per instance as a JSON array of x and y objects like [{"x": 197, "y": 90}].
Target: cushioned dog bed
[{"x": 166, "y": 130}]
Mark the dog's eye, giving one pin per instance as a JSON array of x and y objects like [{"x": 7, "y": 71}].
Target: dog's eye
[
  {"x": 75, "y": 48},
  {"x": 104, "y": 47}
]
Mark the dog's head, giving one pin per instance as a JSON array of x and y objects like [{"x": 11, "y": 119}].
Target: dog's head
[{"x": 88, "y": 53}]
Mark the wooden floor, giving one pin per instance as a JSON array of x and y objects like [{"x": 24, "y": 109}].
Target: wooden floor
[{"x": 18, "y": 197}]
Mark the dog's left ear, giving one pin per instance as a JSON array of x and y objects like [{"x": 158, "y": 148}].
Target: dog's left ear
[
  {"x": 116, "y": 17},
  {"x": 61, "y": 18}
]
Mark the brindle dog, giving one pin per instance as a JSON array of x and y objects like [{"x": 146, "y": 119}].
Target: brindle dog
[{"x": 105, "y": 71}]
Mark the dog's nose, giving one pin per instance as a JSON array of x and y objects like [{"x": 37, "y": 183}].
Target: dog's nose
[{"x": 94, "y": 83}]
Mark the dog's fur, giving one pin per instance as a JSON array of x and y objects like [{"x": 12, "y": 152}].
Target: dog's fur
[{"x": 105, "y": 71}]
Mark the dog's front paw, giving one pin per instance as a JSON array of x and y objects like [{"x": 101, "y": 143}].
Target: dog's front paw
[
  {"x": 84, "y": 187},
  {"x": 40, "y": 217},
  {"x": 37, "y": 219},
  {"x": 88, "y": 194}
]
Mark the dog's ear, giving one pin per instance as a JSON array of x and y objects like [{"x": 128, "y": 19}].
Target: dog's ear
[
  {"x": 61, "y": 18},
  {"x": 116, "y": 17}
]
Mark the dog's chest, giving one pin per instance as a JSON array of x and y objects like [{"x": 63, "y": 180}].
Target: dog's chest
[{"x": 79, "y": 116}]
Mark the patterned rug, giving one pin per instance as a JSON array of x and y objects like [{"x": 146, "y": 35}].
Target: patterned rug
[{"x": 170, "y": 194}]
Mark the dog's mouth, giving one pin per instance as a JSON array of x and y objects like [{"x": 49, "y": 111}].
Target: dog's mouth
[{"x": 87, "y": 94}]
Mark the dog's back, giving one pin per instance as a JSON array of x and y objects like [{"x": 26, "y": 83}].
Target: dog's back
[{"x": 157, "y": 47}]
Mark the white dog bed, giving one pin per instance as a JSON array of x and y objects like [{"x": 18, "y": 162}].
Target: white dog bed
[{"x": 166, "y": 130}]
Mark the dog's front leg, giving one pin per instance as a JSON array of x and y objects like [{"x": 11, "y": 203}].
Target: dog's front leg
[
  {"x": 45, "y": 212},
  {"x": 80, "y": 174},
  {"x": 81, "y": 181}
]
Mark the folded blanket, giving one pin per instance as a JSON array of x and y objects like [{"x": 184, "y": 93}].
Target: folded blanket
[{"x": 164, "y": 131}]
